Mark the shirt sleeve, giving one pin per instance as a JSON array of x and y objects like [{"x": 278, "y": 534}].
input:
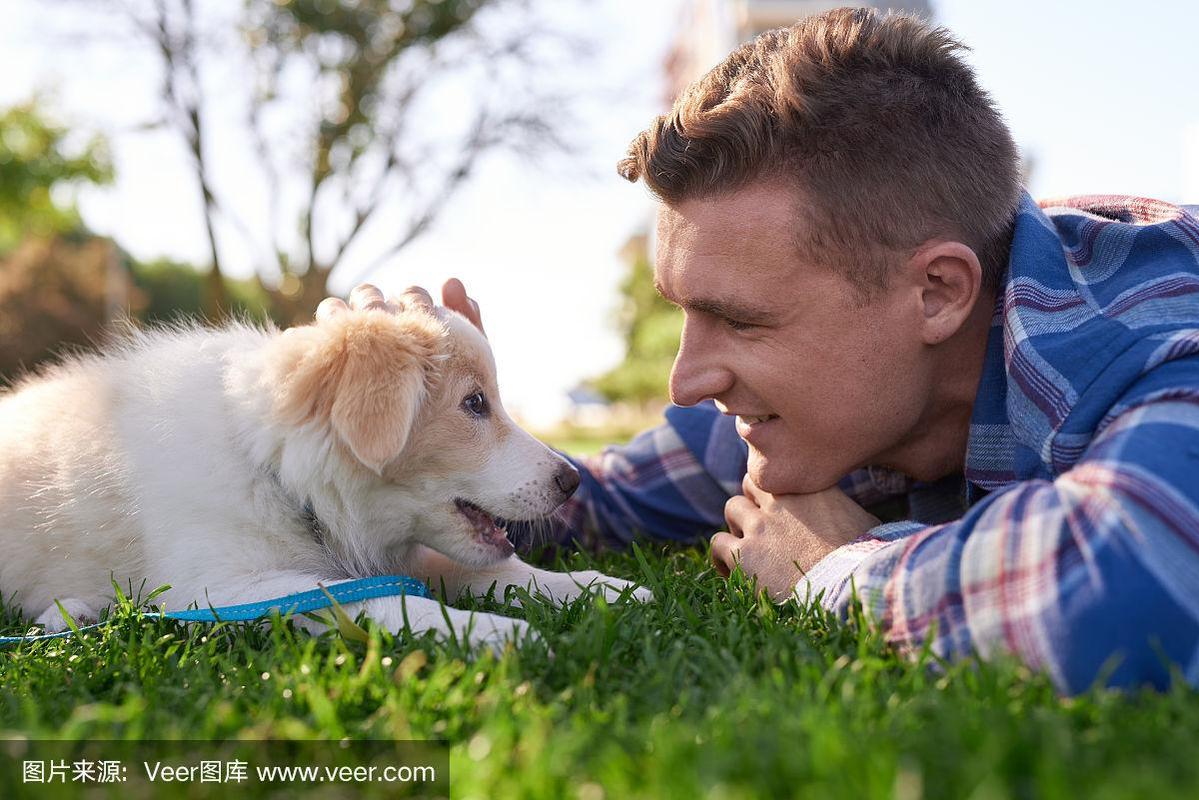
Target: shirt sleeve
[
  {"x": 669, "y": 483},
  {"x": 871, "y": 485},
  {"x": 1091, "y": 576}
]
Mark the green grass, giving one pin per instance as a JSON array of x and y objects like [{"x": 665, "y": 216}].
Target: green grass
[
  {"x": 708, "y": 692},
  {"x": 581, "y": 443}
]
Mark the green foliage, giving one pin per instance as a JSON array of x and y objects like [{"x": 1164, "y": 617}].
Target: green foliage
[
  {"x": 651, "y": 328},
  {"x": 36, "y": 159},
  {"x": 707, "y": 692},
  {"x": 56, "y": 281},
  {"x": 171, "y": 290},
  {"x": 56, "y": 296},
  {"x": 357, "y": 42}
]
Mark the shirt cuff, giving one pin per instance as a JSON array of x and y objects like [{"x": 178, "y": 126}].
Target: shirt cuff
[{"x": 827, "y": 581}]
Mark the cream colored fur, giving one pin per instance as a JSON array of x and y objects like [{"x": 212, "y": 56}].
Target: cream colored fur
[{"x": 185, "y": 456}]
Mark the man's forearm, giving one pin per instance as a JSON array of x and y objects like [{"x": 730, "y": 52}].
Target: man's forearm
[
  {"x": 1096, "y": 570},
  {"x": 654, "y": 486}
]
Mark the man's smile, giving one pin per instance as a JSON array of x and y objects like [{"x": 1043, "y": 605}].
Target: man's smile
[{"x": 749, "y": 425}]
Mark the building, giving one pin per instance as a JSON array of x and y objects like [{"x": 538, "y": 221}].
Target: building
[{"x": 1190, "y": 153}]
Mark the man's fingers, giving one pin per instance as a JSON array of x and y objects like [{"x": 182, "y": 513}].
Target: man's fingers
[
  {"x": 738, "y": 512},
  {"x": 415, "y": 296},
  {"x": 725, "y": 547},
  {"x": 365, "y": 296},
  {"x": 751, "y": 490},
  {"x": 454, "y": 297},
  {"x": 329, "y": 307}
]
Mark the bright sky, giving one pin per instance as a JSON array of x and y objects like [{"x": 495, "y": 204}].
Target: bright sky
[{"x": 1102, "y": 96}]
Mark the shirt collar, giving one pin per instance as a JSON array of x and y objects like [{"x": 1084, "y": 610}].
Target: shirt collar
[{"x": 990, "y": 448}]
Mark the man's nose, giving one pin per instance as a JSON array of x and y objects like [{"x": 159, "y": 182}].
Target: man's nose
[{"x": 697, "y": 374}]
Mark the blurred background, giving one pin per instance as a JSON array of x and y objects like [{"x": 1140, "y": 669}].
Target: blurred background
[{"x": 172, "y": 158}]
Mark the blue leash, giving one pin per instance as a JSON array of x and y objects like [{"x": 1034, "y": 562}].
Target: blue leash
[{"x": 299, "y": 603}]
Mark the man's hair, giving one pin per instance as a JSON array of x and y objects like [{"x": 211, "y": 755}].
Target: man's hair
[{"x": 875, "y": 120}]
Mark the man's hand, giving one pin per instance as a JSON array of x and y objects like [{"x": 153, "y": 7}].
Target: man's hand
[
  {"x": 779, "y": 537},
  {"x": 454, "y": 297},
  {"x": 365, "y": 297}
]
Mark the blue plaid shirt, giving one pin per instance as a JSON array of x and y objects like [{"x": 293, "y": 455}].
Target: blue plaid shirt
[{"x": 1075, "y": 545}]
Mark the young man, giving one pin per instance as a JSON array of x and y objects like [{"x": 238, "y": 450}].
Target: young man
[{"x": 875, "y": 309}]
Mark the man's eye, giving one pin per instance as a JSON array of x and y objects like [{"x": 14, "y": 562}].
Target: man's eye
[
  {"x": 737, "y": 326},
  {"x": 476, "y": 405}
]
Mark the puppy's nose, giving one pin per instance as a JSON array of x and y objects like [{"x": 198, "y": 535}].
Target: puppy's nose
[{"x": 567, "y": 480}]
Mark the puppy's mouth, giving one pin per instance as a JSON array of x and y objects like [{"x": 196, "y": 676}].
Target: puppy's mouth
[{"x": 485, "y": 527}]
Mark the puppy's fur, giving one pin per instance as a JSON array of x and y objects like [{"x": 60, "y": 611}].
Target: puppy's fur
[{"x": 241, "y": 464}]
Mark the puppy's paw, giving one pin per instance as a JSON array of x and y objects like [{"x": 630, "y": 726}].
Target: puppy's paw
[
  {"x": 567, "y": 586},
  {"x": 640, "y": 593},
  {"x": 52, "y": 621},
  {"x": 476, "y": 629},
  {"x": 496, "y": 632},
  {"x": 614, "y": 588}
]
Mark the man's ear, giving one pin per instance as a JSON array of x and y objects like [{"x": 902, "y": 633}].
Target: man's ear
[
  {"x": 948, "y": 276},
  {"x": 362, "y": 374}
]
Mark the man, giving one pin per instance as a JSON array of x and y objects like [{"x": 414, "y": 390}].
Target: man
[{"x": 885, "y": 314}]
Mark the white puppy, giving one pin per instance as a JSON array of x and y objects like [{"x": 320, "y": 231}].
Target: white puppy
[{"x": 242, "y": 464}]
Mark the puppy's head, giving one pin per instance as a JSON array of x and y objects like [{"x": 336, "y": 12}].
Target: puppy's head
[{"x": 411, "y": 405}]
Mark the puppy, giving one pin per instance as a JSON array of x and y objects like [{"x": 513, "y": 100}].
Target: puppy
[{"x": 242, "y": 464}]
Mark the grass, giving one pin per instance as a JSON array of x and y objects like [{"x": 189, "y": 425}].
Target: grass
[
  {"x": 709, "y": 692},
  {"x": 586, "y": 440}
]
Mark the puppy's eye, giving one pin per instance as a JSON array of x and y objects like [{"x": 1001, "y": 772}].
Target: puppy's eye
[{"x": 476, "y": 405}]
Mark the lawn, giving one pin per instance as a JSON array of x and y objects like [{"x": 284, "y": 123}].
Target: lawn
[{"x": 708, "y": 692}]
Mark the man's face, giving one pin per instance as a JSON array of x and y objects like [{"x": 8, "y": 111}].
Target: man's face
[{"x": 821, "y": 383}]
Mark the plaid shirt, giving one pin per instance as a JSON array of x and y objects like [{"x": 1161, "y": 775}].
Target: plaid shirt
[{"x": 1076, "y": 546}]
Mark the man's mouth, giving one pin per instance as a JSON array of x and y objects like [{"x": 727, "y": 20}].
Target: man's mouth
[
  {"x": 485, "y": 526},
  {"x": 747, "y": 423}
]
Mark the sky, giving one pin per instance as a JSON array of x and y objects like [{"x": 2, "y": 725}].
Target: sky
[{"x": 1101, "y": 97}]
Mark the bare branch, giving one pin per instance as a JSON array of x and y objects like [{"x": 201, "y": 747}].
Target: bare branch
[
  {"x": 478, "y": 142},
  {"x": 263, "y": 95},
  {"x": 369, "y": 75}
]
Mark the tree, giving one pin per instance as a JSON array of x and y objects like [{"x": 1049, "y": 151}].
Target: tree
[
  {"x": 652, "y": 328},
  {"x": 56, "y": 294},
  {"x": 58, "y": 286},
  {"x": 169, "y": 291},
  {"x": 337, "y": 105},
  {"x": 36, "y": 163}
]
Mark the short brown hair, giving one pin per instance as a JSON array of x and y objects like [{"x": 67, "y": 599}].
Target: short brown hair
[{"x": 875, "y": 119}]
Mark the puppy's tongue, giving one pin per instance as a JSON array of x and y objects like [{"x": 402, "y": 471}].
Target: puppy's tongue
[{"x": 484, "y": 525}]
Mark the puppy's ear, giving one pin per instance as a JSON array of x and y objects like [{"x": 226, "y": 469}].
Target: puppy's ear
[
  {"x": 362, "y": 374},
  {"x": 382, "y": 386}
]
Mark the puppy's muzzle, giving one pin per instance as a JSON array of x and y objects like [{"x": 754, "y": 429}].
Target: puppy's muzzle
[{"x": 566, "y": 480}]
